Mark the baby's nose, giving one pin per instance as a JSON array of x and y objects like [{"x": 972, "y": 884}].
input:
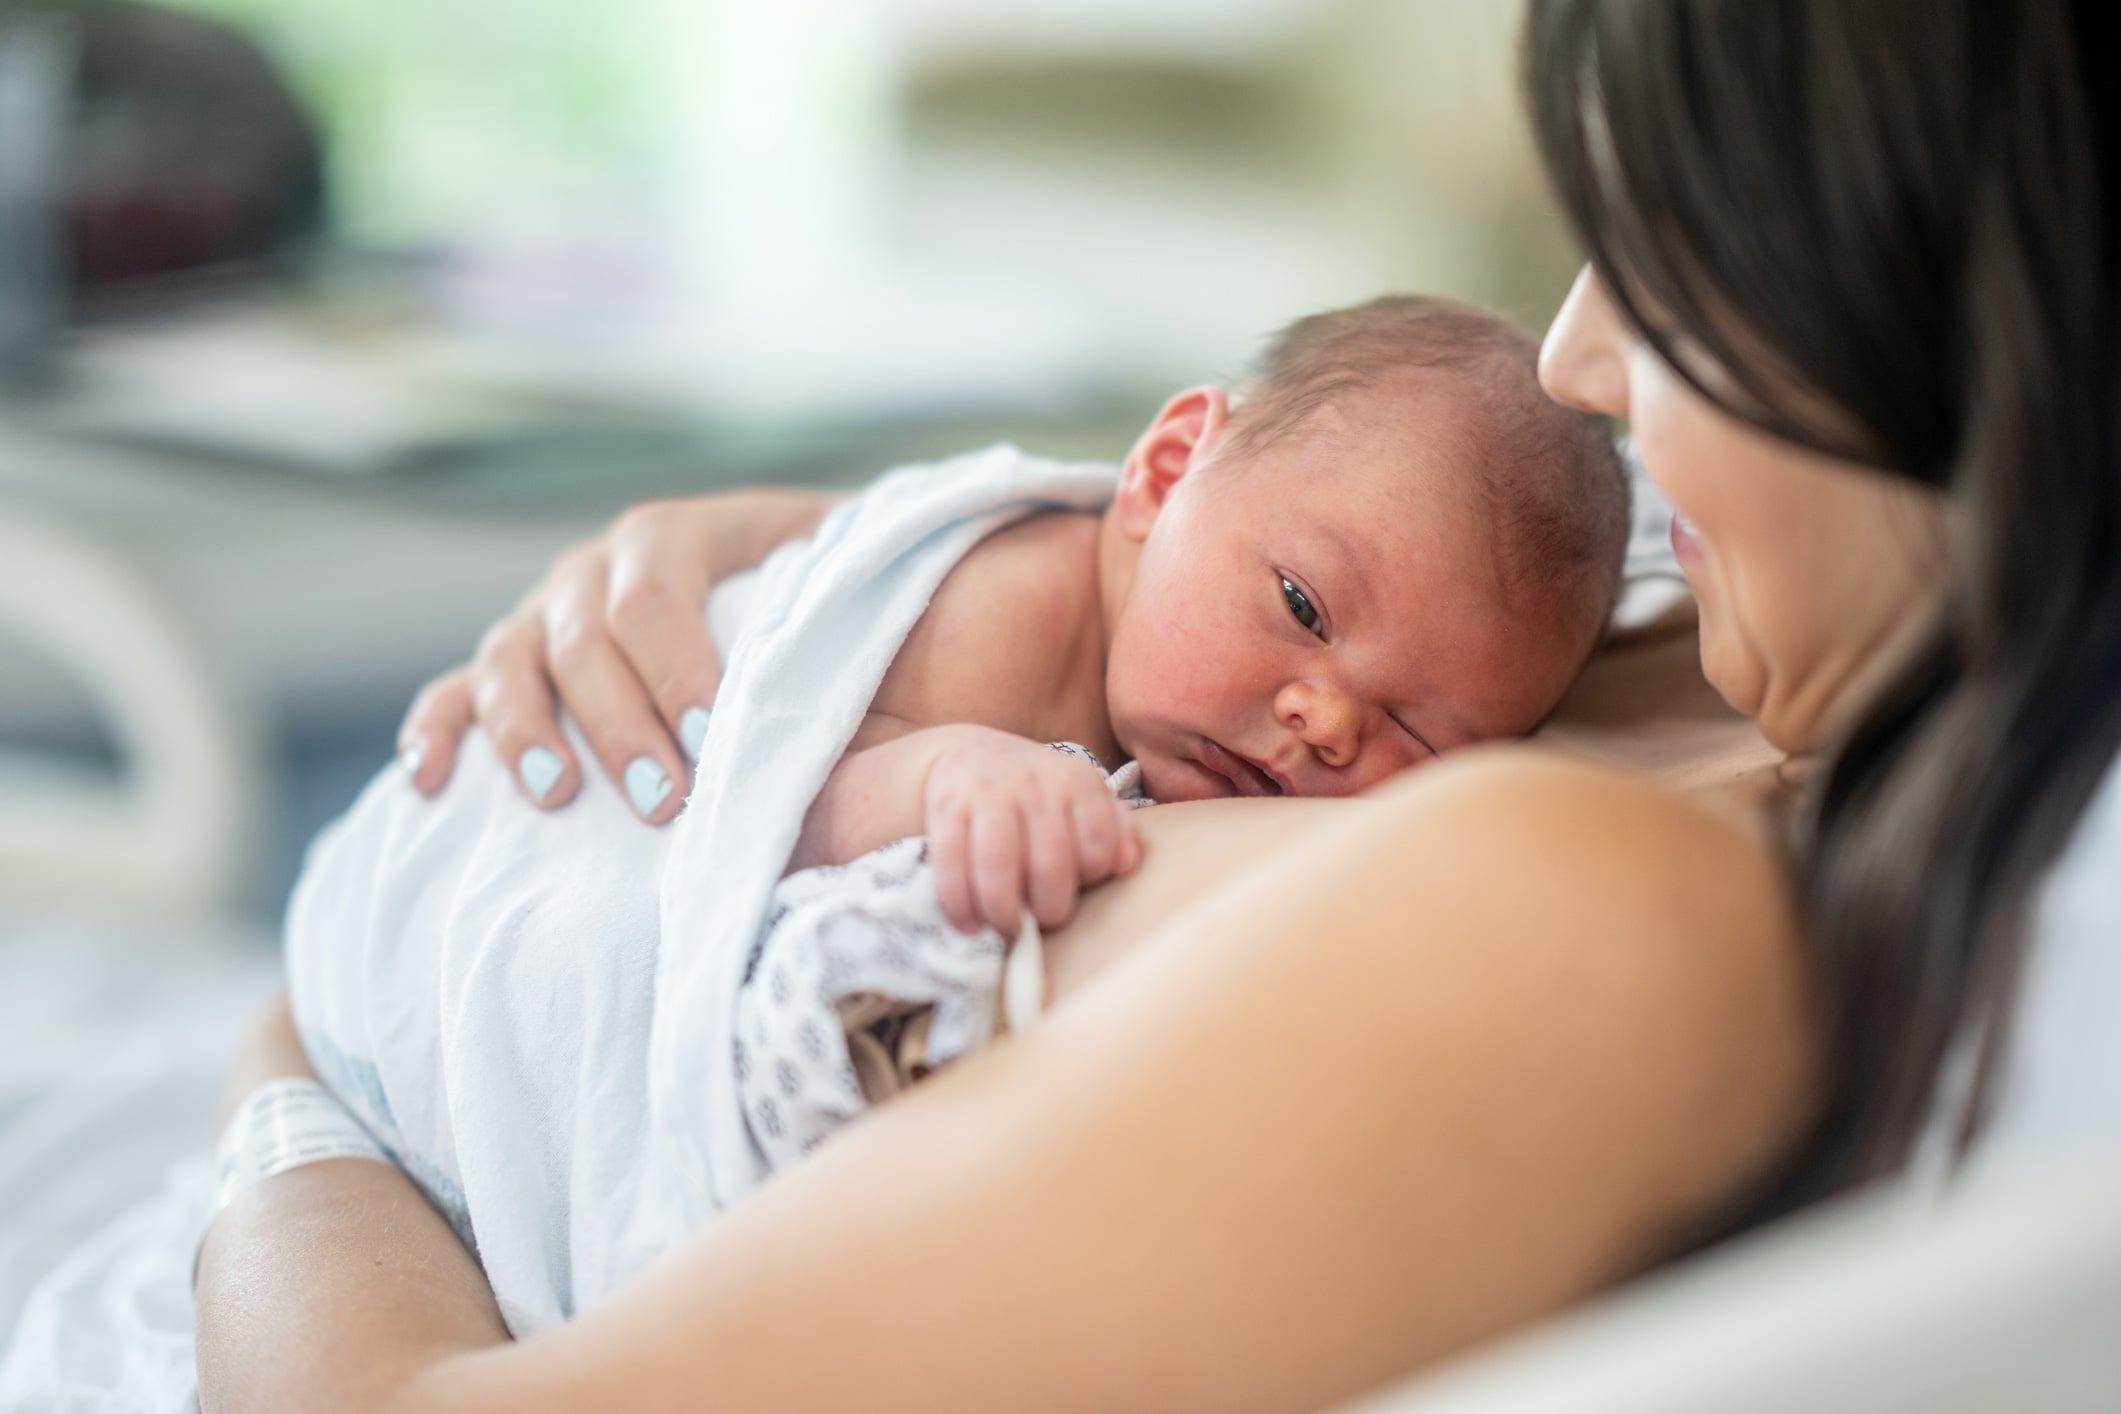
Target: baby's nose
[{"x": 1328, "y": 721}]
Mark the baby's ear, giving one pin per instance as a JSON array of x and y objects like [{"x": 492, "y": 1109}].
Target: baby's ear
[{"x": 1178, "y": 440}]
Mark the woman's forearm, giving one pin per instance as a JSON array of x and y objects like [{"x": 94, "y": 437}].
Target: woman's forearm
[
  {"x": 752, "y": 523},
  {"x": 336, "y": 1287},
  {"x": 331, "y": 1286}
]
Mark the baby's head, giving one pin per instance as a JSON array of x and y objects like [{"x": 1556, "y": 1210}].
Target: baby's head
[{"x": 1387, "y": 544}]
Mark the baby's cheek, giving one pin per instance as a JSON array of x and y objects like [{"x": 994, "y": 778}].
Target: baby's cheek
[
  {"x": 1146, "y": 679},
  {"x": 1185, "y": 673},
  {"x": 1383, "y": 762},
  {"x": 1211, "y": 673}
]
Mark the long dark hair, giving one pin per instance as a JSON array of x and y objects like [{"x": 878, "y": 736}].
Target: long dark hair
[{"x": 1890, "y": 230}]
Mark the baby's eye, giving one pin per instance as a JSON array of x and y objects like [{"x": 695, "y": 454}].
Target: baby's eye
[{"x": 1300, "y": 605}]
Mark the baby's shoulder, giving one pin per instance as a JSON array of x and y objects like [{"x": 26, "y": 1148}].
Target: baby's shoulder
[
  {"x": 999, "y": 624},
  {"x": 1040, "y": 566}
]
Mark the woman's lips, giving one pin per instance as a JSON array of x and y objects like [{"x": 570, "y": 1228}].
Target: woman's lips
[
  {"x": 1248, "y": 778},
  {"x": 1686, "y": 541}
]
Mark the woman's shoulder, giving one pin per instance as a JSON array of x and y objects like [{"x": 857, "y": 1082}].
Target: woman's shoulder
[
  {"x": 1587, "y": 952},
  {"x": 1556, "y": 799},
  {"x": 1656, "y": 930},
  {"x": 1574, "y": 849}
]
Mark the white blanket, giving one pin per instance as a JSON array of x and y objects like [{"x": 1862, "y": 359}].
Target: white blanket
[{"x": 534, "y": 1010}]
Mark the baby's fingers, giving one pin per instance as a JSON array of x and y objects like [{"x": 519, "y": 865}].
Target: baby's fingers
[
  {"x": 1106, "y": 840},
  {"x": 998, "y": 866},
  {"x": 950, "y": 850},
  {"x": 1054, "y": 883}
]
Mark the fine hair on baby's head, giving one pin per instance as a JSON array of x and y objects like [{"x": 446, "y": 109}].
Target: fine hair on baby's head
[{"x": 1544, "y": 479}]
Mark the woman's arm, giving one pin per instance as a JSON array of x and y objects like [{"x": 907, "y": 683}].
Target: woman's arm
[
  {"x": 330, "y": 1286},
  {"x": 615, "y": 633},
  {"x": 1471, "y": 1050},
  {"x": 295, "y": 1264},
  {"x": 334, "y": 1287}
]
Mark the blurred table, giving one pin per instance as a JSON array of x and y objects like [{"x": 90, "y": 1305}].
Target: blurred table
[
  {"x": 325, "y": 599},
  {"x": 322, "y": 602},
  {"x": 318, "y": 601}
]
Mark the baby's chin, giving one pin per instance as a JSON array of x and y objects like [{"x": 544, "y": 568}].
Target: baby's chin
[{"x": 1169, "y": 782}]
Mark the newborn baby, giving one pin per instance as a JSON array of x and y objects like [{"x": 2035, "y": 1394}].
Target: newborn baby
[
  {"x": 582, "y": 1038},
  {"x": 1389, "y": 544}
]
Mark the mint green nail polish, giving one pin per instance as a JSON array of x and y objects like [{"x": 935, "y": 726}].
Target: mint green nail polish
[
  {"x": 647, "y": 784},
  {"x": 692, "y": 730},
  {"x": 412, "y": 756},
  {"x": 540, "y": 770}
]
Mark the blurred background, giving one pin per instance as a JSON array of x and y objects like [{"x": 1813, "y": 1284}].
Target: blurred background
[{"x": 324, "y": 323}]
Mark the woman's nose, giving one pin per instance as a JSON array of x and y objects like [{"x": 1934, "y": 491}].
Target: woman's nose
[
  {"x": 1580, "y": 363},
  {"x": 1325, "y": 718}
]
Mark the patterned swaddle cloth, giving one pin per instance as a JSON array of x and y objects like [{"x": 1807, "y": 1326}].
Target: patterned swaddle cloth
[{"x": 859, "y": 987}]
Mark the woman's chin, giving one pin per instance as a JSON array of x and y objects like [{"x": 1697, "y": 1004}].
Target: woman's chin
[{"x": 1738, "y": 680}]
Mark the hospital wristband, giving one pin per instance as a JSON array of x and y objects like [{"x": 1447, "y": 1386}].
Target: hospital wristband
[{"x": 282, "y": 1125}]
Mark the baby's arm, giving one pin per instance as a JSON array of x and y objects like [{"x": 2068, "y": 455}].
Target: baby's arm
[
  {"x": 953, "y": 746},
  {"x": 874, "y": 795},
  {"x": 1011, "y": 823}
]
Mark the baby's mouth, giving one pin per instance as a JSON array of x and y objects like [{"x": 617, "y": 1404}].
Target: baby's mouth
[{"x": 1239, "y": 771}]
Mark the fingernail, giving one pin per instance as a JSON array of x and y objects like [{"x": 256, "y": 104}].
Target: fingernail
[
  {"x": 647, "y": 784},
  {"x": 540, "y": 769},
  {"x": 411, "y": 757},
  {"x": 692, "y": 730}
]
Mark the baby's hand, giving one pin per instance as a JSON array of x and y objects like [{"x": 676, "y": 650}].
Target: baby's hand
[{"x": 1012, "y": 823}]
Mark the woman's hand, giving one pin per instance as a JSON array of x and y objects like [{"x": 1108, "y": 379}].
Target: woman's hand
[{"x": 614, "y": 633}]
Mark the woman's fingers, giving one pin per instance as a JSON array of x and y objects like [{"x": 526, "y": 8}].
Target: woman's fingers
[
  {"x": 660, "y": 631},
  {"x": 631, "y": 655},
  {"x": 434, "y": 727},
  {"x": 607, "y": 701},
  {"x": 516, "y": 709},
  {"x": 662, "y": 566}
]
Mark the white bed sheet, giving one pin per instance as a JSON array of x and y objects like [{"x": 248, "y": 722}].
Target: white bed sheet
[{"x": 117, "y": 1038}]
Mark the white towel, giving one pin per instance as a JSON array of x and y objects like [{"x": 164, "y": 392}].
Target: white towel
[{"x": 535, "y": 1010}]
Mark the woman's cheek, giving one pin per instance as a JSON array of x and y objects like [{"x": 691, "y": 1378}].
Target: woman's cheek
[{"x": 1683, "y": 446}]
